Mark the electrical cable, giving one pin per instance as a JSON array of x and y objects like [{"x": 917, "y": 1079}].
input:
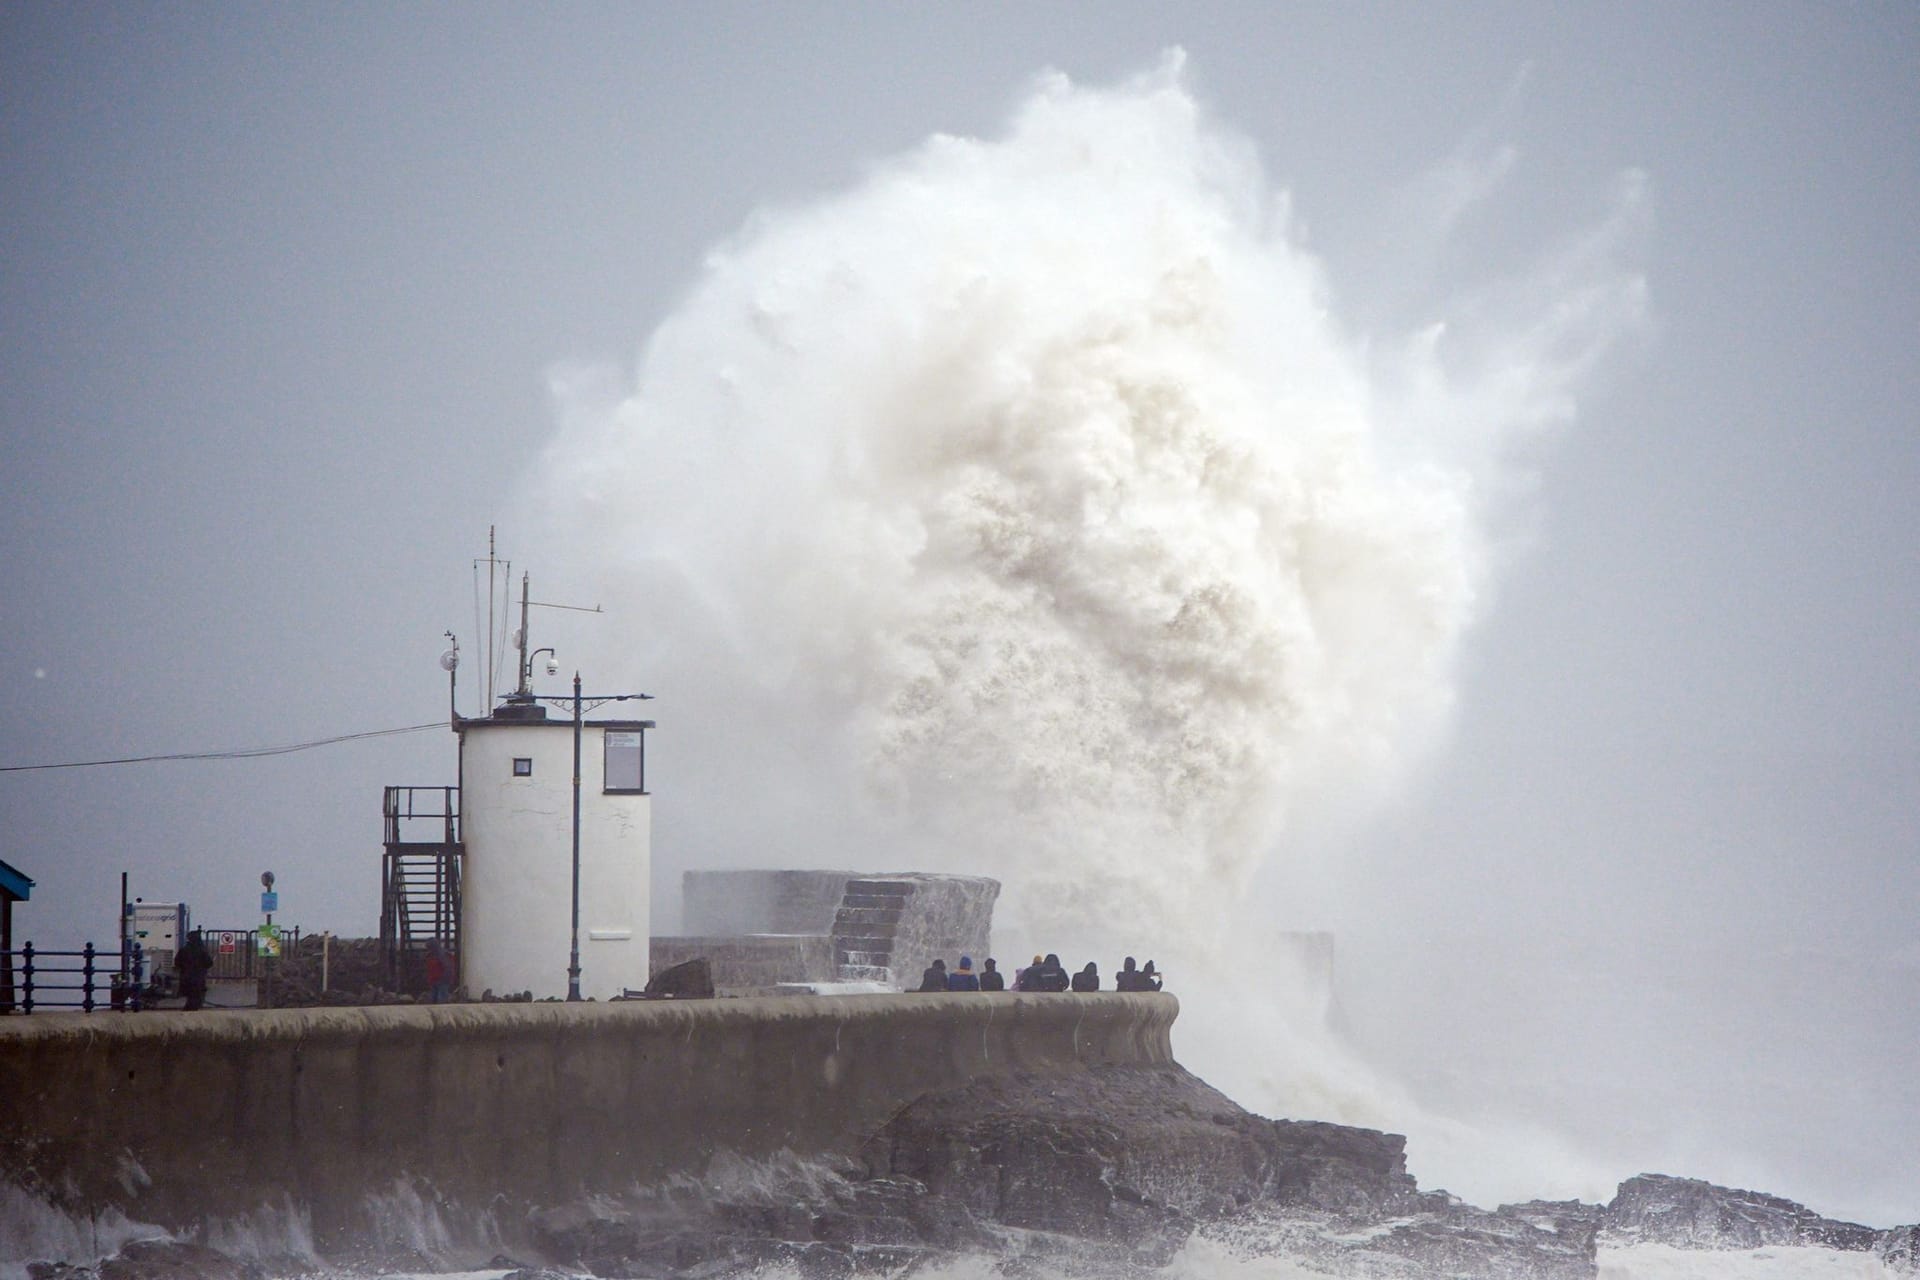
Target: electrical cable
[{"x": 232, "y": 753}]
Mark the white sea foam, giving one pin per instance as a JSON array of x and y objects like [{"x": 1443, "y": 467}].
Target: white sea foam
[
  {"x": 1027, "y": 510},
  {"x": 1662, "y": 1262}
]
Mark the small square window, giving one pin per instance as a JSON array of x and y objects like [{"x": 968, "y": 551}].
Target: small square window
[{"x": 523, "y": 766}]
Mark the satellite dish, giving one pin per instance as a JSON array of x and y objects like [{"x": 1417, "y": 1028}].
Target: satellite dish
[
  {"x": 519, "y": 639},
  {"x": 450, "y": 659}
]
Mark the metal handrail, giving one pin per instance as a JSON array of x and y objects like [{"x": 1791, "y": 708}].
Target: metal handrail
[
  {"x": 22, "y": 988},
  {"x": 402, "y": 806}
]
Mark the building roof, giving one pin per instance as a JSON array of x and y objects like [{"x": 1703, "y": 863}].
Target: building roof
[{"x": 14, "y": 882}]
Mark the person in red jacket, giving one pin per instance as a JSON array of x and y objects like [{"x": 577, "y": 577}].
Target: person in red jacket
[{"x": 439, "y": 974}]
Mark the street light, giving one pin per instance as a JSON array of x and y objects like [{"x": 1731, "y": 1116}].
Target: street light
[{"x": 579, "y": 700}]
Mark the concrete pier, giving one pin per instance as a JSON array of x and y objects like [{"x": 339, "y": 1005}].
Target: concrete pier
[{"x": 179, "y": 1118}]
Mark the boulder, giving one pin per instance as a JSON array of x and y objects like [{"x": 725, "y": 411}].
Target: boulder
[
  {"x": 1688, "y": 1213},
  {"x": 688, "y": 980}
]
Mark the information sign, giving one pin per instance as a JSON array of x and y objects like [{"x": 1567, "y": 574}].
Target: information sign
[
  {"x": 269, "y": 902},
  {"x": 268, "y": 940}
]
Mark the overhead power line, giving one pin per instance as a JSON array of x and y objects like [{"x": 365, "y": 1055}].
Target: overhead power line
[{"x": 232, "y": 753}]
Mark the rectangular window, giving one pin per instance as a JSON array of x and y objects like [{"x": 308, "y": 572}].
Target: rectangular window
[
  {"x": 523, "y": 766},
  {"x": 626, "y": 762}
]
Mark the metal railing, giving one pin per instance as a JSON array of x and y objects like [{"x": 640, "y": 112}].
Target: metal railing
[
  {"x": 31, "y": 978},
  {"x": 408, "y": 811},
  {"x": 242, "y": 960}
]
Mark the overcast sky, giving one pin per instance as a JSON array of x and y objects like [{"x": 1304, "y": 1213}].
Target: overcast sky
[{"x": 284, "y": 288}]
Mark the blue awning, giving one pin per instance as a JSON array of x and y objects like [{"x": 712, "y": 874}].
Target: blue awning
[{"x": 14, "y": 883}]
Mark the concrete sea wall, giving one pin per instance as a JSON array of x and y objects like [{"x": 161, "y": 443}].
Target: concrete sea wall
[{"x": 179, "y": 1118}]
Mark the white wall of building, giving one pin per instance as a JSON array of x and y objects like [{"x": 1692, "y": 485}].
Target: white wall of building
[{"x": 517, "y": 884}]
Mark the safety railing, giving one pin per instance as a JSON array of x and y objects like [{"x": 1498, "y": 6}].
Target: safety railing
[
  {"x": 87, "y": 979},
  {"x": 421, "y": 815}
]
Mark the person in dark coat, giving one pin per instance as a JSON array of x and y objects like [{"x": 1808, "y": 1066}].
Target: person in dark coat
[
  {"x": 191, "y": 966},
  {"x": 1128, "y": 979},
  {"x": 1088, "y": 979},
  {"x": 1149, "y": 980},
  {"x": 991, "y": 979},
  {"x": 1027, "y": 979},
  {"x": 935, "y": 977},
  {"x": 1053, "y": 974},
  {"x": 964, "y": 978}
]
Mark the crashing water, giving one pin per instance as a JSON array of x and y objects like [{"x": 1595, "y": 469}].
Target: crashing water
[{"x": 1028, "y": 508}]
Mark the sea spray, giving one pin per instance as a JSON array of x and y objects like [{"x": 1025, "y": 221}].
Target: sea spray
[{"x": 1026, "y": 510}]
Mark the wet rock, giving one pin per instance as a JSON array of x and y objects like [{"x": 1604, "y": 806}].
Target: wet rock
[
  {"x": 174, "y": 1260},
  {"x": 1450, "y": 1237},
  {"x": 1688, "y": 1213},
  {"x": 1113, "y": 1169},
  {"x": 688, "y": 980},
  {"x": 1899, "y": 1249}
]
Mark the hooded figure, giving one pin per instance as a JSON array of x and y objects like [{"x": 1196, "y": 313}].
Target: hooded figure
[
  {"x": 1088, "y": 979},
  {"x": 1053, "y": 974},
  {"x": 1128, "y": 979},
  {"x": 191, "y": 966},
  {"x": 990, "y": 978},
  {"x": 1149, "y": 980},
  {"x": 964, "y": 978},
  {"x": 935, "y": 977}
]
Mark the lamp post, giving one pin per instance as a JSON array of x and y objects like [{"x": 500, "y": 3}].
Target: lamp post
[
  {"x": 573, "y": 955},
  {"x": 579, "y": 702}
]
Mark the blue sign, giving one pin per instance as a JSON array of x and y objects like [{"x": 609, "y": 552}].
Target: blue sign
[{"x": 269, "y": 903}]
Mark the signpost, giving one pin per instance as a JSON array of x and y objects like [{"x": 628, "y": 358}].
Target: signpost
[{"x": 268, "y": 941}]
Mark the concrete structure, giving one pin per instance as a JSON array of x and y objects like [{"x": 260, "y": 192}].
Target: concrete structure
[
  {"x": 516, "y": 823},
  {"x": 243, "y": 1117},
  {"x": 763, "y": 930}
]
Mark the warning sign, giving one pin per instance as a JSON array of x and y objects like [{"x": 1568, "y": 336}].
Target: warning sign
[{"x": 227, "y": 942}]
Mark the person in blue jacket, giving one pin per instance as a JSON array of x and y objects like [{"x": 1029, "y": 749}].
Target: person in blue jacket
[{"x": 964, "y": 978}]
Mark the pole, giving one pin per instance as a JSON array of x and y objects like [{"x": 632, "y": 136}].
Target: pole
[
  {"x": 573, "y": 963},
  {"x": 123, "y": 924},
  {"x": 524, "y": 685}
]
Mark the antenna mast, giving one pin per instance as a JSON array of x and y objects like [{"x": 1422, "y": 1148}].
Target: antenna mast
[
  {"x": 490, "y": 573},
  {"x": 526, "y": 668}
]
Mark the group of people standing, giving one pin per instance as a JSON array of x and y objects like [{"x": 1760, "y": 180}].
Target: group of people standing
[{"x": 1046, "y": 973}]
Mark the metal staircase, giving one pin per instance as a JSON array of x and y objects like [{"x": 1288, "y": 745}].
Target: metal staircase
[
  {"x": 864, "y": 928},
  {"x": 420, "y": 894}
]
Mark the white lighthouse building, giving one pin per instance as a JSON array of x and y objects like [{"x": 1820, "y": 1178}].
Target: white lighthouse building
[
  {"x": 517, "y": 796},
  {"x": 532, "y": 874}
]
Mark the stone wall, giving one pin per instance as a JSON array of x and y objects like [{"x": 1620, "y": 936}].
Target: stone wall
[
  {"x": 932, "y": 915},
  {"x": 174, "y": 1118},
  {"x": 754, "y": 962},
  {"x": 948, "y": 917},
  {"x": 715, "y": 903}
]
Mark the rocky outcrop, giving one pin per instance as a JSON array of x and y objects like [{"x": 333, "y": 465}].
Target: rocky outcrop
[
  {"x": 1687, "y": 1213},
  {"x": 1654, "y": 1208},
  {"x": 688, "y": 980},
  {"x": 154, "y": 1260},
  {"x": 1107, "y": 1172}
]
